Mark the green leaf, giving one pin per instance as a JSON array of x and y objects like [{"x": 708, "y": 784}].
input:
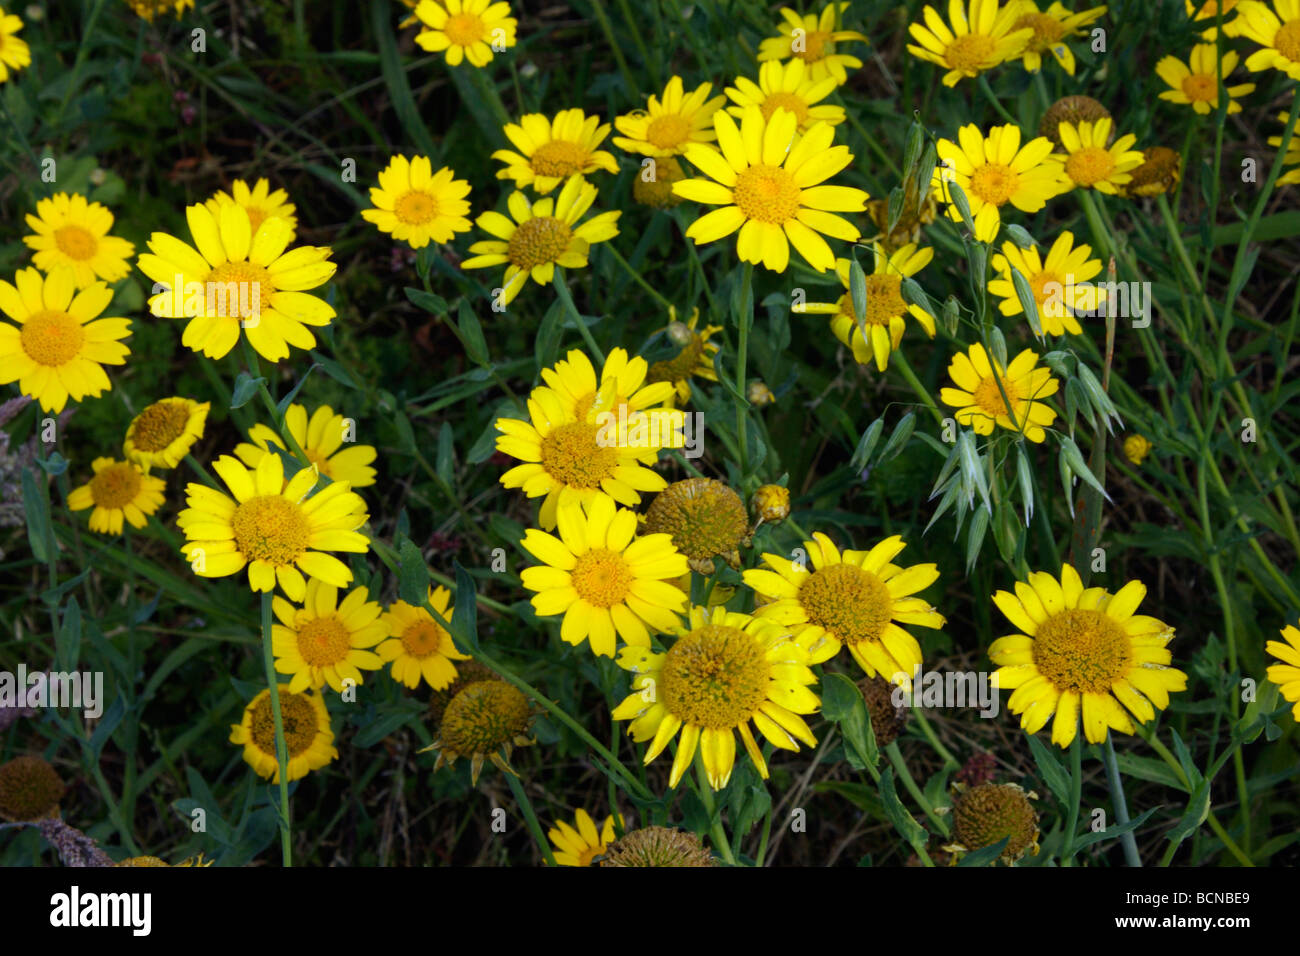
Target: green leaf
[
  {"x": 898, "y": 440},
  {"x": 70, "y": 636},
  {"x": 412, "y": 574},
  {"x": 445, "y": 464},
  {"x": 1115, "y": 830},
  {"x": 471, "y": 333},
  {"x": 40, "y": 534},
  {"x": 244, "y": 390},
  {"x": 1051, "y": 770},
  {"x": 433, "y": 304},
  {"x": 394, "y": 72},
  {"x": 1027, "y": 302},
  {"x": 464, "y": 617},
  {"x": 866, "y": 445},
  {"x": 547, "y": 345},
  {"x": 857, "y": 287},
  {"x": 985, "y": 855},
  {"x": 903, "y": 821},
  {"x": 284, "y": 403},
  {"x": 1074, "y": 458}
]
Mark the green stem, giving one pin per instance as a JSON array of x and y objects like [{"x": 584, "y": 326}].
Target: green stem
[
  {"x": 636, "y": 276},
  {"x": 715, "y": 823},
  {"x": 997, "y": 104},
  {"x": 905, "y": 775},
  {"x": 598, "y": 8},
  {"x": 202, "y": 472},
  {"x": 530, "y": 816},
  {"x": 1119, "y": 802},
  {"x": 561, "y": 284},
  {"x": 744, "y": 320},
  {"x": 281, "y": 749},
  {"x": 1076, "y": 794},
  {"x": 905, "y": 369}
]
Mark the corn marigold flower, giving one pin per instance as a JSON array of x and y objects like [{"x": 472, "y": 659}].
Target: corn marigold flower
[
  {"x": 574, "y": 461},
  {"x": 990, "y": 813},
  {"x": 484, "y": 721},
  {"x": 995, "y": 170},
  {"x": 239, "y": 278},
  {"x": 771, "y": 503},
  {"x": 723, "y": 670},
  {"x": 657, "y": 846},
  {"x": 1072, "y": 109},
  {"x": 417, "y": 205},
  {"x": 120, "y": 489},
  {"x": 30, "y": 789},
  {"x": 1060, "y": 283},
  {"x": 276, "y": 527},
  {"x": 1277, "y": 31},
  {"x": 419, "y": 646},
  {"x": 1209, "y": 10},
  {"x": 852, "y": 598},
  {"x": 164, "y": 432},
  {"x": 918, "y": 210},
  {"x": 1136, "y": 448},
  {"x": 664, "y": 129},
  {"x": 471, "y": 30},
  {"x": 325, "y": 641},
  {"x": 260, "y": 202},
  {"x": 1160, "y": 172},
  {"x": 622, "y": 393},
  {"x": 1088, "y": 163},
  {"x": 815, "y": 40},
  {"x": 695, "y": 360},
  {"x": 14, "y": 52},
  {"x": 981, "y": 381},
  {"x": 148, "y": 9},
  {"x": 759, "y": 395},
  {"x": 308, "y": 737},
  {"x": 581, "y": 844},
  {"x": 1082, "y": 652},
  {"x": 543, "y": 235},
  {"x": 874, "y": 336},
  {"x": 786, "y": 86},
  {"x": 60, "y": 344},
  {"x": 72, "y": 234},
  {"x": 1052, "y": 27},
  {"x": 1287, "y": 674},
  {"x": 653, "y": 185},
  {"x": 705, "y": 519},
  {"x": 467, "y": 672},
  {"x": 974, "y": 43},
  {"x": 320, "y": 437},
  {"x": 1196, "y": 83},
  {"x": 770, "y": 182},
  {"x": 554, "y": 151},
  {"x": 1292, "y": 158},
  {"x": 606, "y": 580}
]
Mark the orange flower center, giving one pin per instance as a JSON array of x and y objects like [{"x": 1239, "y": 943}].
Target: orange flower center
[
  {"x": 298, "y": 717},
  {"x": 464, "y": 29},
  {"x": 52, "y": 338},
  {"x": 237, "y": 290},
  {"x": 75, "y": 242},
  {"x": 271, "y": 528},
  {"x": 538, "y": 241},
  {"x": 790, "y": 101},
  {"x": 602, "y": 578},
  {"x": 971, "y": 53},
  {"x": 812, "y": 46},
  {"x": 851, "y": 603},
  {"x": 423, "y": 638},
  {"x": 714, "y": 677},
  {"x": 115, "y": 486},
  {"x": 767, "y": 194},
  {"x": 323, "y": 641},
  {"x": 1047, "y": 30},
  {"x": 1200, "y": 86},
  {"x": 994, "y": 183},
  {"x": 1082, "y": 651},
  {"x": 1287, "y": 40},
  {"x": 989, "y": 397},
  {"x": 669, "y": 131},
  {"x": 1089, "y": 165},
  {"x": 559, "y": 158},
  {"x": 884, "y": 300},
  {"x": 415, "y": 208}
]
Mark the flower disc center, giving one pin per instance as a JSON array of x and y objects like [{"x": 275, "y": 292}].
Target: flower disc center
[
  {"x": 1081, "y": 650},
  {"x": 714, "y": 677},
  {"x": 767, "y": 194},
  {"x": 271, "y": 528},
  {"x": 851, "y": 603},
  {"x": 52, "y": 338},
  {"x": 538, "y": 241}
]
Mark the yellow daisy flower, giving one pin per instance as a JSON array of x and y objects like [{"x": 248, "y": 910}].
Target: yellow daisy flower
[
  {"x": 853, "y": 598},
  {"x": 260, "y": 203},
  {"x": 1292, "y": 158},
  {"x": 1277, "y": 32},
  {"x": 1089, "y": 163},
  {"x": 788, "y": 86},
  {"x": 61, "y": 344},
  {"x": 579, "y": 844},
  {"x": 669, "y": 124},
  {"x": 483, "y": 721},
  {"x": 570, "y": 460},
  {"x": 471, "y": 30},
  {"x": 1060, "y": 284},
  {"x": 881, "y": 330},
  {"x": 543, "y": 235},
  {"x": 238, "y": 278},
  {"x": 723, "y": 670},
  {"x": 1287, "y": 674},
  {"x": 272, "y": 527},
  {"x": 603, "y": 577},
  {"x": 1051, "y": 29},
  {"x": 552, "y": 152},
  {"x": 767, "y": 179},
  {"x": 72, "y": 234},
  {"x": 979, "y": 400},
  {"x": 1196, "y": 83},
  {"x": 417, "y": 205},
  {"x": 695, "y": 360},
  {"x": 148, "y": 9},
  {"x": 14, "y": 52},
  {"x": 325, "y": 641},
  {"x": 120, "y": 489},
  {"x": 163, "y": 434},
  {"x": 813, "y": 39},
  {"x": 308, "y": 738},
  {"x": 1209, "y": 10},
  {"x": 973, "y": 44},
  {"x": 418, "y": 645},
  {"x": 320, "y": 438},
  {"x": 1082, "y": 652},
  {"x": 995, "y": 170}
]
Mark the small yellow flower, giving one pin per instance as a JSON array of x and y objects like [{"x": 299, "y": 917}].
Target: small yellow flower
[
  {"x": 320, "y": 438},
  {"x": 260, "y": 202},
  {"x": 1208, "y": 10},
  {"x": 990, "y": 35},
  {"x": 1196, "y": 83},
  {"x": 1136, "y": 448},
  {"x": 769, "y": 182},
  {"x": 771, "y": 503},
  {"x": 484, "y": 721},
  {"x": 1162, "y": 168},
  {"x": 14, "y": 52},
  {"x": 325, "y": 641},
  {"x": 1292, "y": 158},
  {"x": 786, "y": 86},
  {"x": 1060, "y": 283},
  {"x": 1051, "y": 29},
  {"x": 1088, "y": 163},
  {"x": 417, "y": 205},
  {"x": 542, "y": 235},
  {"x": 554, "y": 151},
  {"x": 420, "y": 647},
  {"x": 120, "y": 489},
  {"x": 163, "y": 434},
  {"x": 579, "y": 844},
  {"x": 308, "y": 738},
  {"x": 695, "y": 360},
  {"x": 670, "y": 123},
  {"x": 814, "y": 40},
  {"x": 148, "y": 9},
  {"x": 1277, "y": 33},
  {"x": 72, "y": 234},
  {"x": 471, "y": 30},
  {"x": 1287, "y": 674},
  {"x": 981, "y": 382}
]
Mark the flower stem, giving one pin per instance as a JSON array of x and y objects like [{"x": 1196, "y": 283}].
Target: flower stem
[
  {"x": 281, "y": 749},
  {"x": 905, "y": 369},
  {"x": 530, "y": 816},
  {"x": 561, "y": 283},
  {"x": 636, "y": 276},
  {"x": 744, "y": 320},
  {"x": 706, "y": 797},
  {"x": 905, "y": 775},
  {"x": 1116, "y": 783},
  {"x": 1076, "y": 794},
  {"x": 997, "y": 104}
]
